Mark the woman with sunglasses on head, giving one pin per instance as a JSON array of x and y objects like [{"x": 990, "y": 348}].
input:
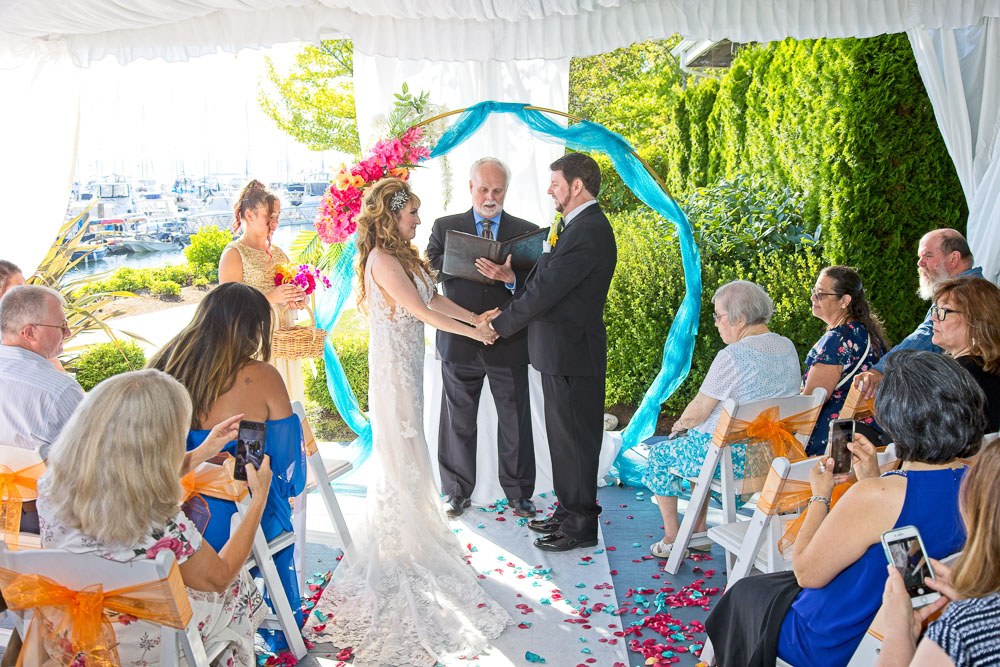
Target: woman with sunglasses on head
[
  {"x": 966, "y": 316},
  {"x": 252, "y": 260},
  {"x": 854, "y": 341}
]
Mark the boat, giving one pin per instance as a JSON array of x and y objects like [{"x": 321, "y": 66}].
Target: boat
[
  {"x": 89, "y": 252},
  {"x": 142, "y": 243}
]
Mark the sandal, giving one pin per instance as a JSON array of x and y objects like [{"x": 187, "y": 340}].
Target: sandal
[{"x": 661, "y": 549}]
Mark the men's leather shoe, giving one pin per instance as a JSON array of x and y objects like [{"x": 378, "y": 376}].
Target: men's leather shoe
[
  {"x": 560, "y": 541},
  {"x": 545, "y": 526},
  {"x": 455, "y": 505},
  {"x": 523, "y": 507}
]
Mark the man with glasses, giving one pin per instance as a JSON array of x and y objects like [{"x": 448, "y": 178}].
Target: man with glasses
[
  {"x": 35, "y": 398},
  {"x": 943, "y": 254}
]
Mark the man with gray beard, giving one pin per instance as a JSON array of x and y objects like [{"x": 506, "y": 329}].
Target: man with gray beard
[{"x": 943, "y": 254}]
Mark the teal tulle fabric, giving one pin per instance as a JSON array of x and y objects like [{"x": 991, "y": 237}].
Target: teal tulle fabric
[{"x": 584, "y": 136}]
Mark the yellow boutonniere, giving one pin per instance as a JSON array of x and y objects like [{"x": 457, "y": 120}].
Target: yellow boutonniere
[{"x": 554, "y": 231}]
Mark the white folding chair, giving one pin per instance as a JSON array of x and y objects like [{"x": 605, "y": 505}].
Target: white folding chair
[
  {"x": 320, "y": 473},
  {"x": 716, "y": 456},
  {"x": 78, "y": 571},
  {"x": 19, "y": 458}
]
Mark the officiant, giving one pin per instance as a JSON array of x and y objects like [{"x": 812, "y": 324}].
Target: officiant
[{"x": 465, "y": 362}]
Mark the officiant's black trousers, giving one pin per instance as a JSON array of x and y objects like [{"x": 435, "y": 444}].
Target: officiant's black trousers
[
  {"x": 463, "y": 384},
  {"x": 574, "y": 423}
]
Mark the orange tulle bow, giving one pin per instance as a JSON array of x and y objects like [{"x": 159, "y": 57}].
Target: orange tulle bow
[
  {"x": 83, "y": 614},
  {"x": 308, "y": 439},
  {"x": 215, "y": 481},
  {"x": 16, "y": 486}
]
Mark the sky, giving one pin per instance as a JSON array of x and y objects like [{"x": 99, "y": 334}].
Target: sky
[{"x": 156, "y": 120}]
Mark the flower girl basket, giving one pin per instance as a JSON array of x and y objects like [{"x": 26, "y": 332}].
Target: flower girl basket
[{"x": 292, "y": 342}]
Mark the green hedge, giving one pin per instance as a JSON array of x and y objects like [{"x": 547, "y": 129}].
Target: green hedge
[
  {"x": 126, "y": 279},
  {"x": 353, "y": 353},
  {"x": 104, "y": 360},
  {"x": 848, "y": 123},
  {"x": 207, "y": 246}
]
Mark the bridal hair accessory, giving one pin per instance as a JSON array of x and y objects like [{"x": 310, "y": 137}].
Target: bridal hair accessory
[{"x": 399, "y": 200}]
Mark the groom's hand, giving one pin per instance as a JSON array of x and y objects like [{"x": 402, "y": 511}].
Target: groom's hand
[
  {"x": 485, "y": 316},
  {"x": 485, "y": 332},
  {"x": 501, "y": 272}
]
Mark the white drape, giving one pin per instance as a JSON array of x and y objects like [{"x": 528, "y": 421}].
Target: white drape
[
  {"x": 39, "y": 120},
  {"x": 961, "y": 71}
]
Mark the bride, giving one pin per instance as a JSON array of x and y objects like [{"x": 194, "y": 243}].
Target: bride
[{"x": 407, "y": 597}]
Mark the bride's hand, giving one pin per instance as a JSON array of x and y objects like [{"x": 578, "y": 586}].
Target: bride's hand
[
  {"x": 485, "y": 316},
  {"x": 484, "y": 333}
]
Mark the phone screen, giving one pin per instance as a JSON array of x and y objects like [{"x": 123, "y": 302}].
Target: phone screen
[
  {"x": 906, "y": 554},
  {"x": 841, "y": 433},
  {"x": 249, "y": 447}
]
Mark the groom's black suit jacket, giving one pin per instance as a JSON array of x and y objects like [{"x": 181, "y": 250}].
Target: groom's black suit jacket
[
  {"x": 562, "y": 301},
  {"x": 477, "y": 297}
]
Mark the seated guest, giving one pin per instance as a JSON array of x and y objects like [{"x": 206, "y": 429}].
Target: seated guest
[
  {"x": 35, "y": 399},
  {"x": 853, "y": 342},
  {"x": 755, "y": 364},
  {"x": 943, "y": 254},
  {"x": 966, "y": 315},
  {"x": 967, "y": 632},
  {"x": 10, "y": 276},
  {"x": 112, "y": 489},
  {"x": 818, "y": 613},
  {"x": 220, "y": 357}
]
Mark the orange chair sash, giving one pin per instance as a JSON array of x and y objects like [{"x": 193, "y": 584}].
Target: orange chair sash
[
  {"x": 16, "y": 486},
  {"x": 308, "y": 439},
  {"x": 766, "y": 437},
  {"x": 83, "y": 613},
  {"x": 213, "y": 481}
]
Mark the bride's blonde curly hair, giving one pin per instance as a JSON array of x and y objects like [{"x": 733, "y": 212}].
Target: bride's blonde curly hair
[{"x": 377, "y": 228}]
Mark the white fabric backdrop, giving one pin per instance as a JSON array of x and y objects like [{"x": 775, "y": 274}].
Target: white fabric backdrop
[
  {"x": 39, "y": 119},
  {"x": 961, "y": 71}
]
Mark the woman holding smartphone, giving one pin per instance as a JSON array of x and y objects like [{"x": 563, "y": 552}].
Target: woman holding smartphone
[
  {"x": 967, "y": 633},
  {"x": 818, "y": 613},
  {"x": 220, "y": 357}
]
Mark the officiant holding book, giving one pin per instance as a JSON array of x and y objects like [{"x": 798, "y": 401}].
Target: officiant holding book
[{"x": 465, "y": 363}]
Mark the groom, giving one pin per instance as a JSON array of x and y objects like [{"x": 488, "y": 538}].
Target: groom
[{"x": 562, "y": 305}]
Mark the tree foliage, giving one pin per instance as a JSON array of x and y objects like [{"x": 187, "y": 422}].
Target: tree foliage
[{"x": 315, "y": 100}]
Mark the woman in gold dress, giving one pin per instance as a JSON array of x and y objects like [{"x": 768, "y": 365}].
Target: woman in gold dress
[{"x": 251, "y": 259}]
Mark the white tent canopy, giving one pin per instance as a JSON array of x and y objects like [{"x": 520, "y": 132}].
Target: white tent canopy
[{"x": 955, "y": 42}]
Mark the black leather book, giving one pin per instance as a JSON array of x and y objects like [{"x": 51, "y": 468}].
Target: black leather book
[{"x": 461, "y": 251}]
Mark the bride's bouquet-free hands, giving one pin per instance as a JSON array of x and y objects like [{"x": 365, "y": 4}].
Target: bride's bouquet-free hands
[{"x": 485, "y": 332}]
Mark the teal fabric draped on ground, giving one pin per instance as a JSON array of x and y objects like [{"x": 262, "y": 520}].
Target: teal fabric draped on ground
[{"x": 584, "y": 136}]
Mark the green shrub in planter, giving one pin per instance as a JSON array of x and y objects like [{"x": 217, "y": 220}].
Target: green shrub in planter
[
  {"x": 353, "y": 353},
  {"x": 200, "y": 281},
  {"x": 104, "y": 360},
  {"x": 165, "y": 288},
  {"x": 207, "y": 246}
]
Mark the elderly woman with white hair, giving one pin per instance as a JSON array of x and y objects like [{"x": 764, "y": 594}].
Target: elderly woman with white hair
[{"x": 755, "y": 364}]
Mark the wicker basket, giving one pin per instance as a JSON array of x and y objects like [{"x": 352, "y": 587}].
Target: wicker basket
[{"x": 292, "y": 342}]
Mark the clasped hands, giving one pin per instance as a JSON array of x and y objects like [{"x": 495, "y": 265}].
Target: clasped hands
[{"x": 484, "y": 332}]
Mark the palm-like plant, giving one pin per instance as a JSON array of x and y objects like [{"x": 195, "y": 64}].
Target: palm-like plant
[{"x": 81, "y": 310}]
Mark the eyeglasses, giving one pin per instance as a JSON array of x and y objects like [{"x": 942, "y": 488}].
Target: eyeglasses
[
  {"x": 940, "y": 314},
  {"x": 819, "y": 295},
  {"x": 64, "y": 326},
  {"x": 718, "y": 316}
]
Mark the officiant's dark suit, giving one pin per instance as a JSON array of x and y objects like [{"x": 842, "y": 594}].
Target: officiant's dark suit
[
  {"x": 465, "y": 362},
  {"x": 562, "y": 306}
]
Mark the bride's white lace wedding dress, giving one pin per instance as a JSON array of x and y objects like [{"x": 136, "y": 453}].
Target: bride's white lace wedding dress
[{"x": 408, "y": 597}]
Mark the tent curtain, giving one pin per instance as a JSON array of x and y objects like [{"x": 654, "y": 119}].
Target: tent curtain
[
  {"x": 961, "y": 71},
  {"x": 39, "y": 122}
]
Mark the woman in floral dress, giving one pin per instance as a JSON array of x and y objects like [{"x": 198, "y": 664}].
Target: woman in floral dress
[
  {"x": 127, "y": 440},
  {"x": 854, "y": 341},
  {"x": 252, "y": 260}
]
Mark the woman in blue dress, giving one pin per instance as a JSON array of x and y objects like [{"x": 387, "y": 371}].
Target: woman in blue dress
[
  {"x": 220, "y": 357},
  {"x": 818, "y": 613},
  {"x": 854, "y": 341},
  {"x": 755, "y": 364}
]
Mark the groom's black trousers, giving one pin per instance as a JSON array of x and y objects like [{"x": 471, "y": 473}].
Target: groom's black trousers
[
  {"x": 574, "y": 423},
  {"x": 463, "y": 384}
]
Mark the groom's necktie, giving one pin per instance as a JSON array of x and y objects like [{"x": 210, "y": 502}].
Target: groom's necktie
[{"x": 487, "y": 229}]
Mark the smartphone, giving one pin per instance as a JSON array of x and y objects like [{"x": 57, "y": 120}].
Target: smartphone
[
  {"x": 249, "y": 447},
  {"x": 841, "y": 433},
  {"x": 904, "y": 549}
]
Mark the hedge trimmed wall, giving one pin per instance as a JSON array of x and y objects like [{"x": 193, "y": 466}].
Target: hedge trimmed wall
[{"x": 848, "y": 122}]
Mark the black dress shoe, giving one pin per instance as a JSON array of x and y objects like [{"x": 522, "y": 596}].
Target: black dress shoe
[
  {"x": 545, "y": 526},
  {"x": 455, "y": 505},
  {"x": 523, "y": 507},
  {"x": 560, "y": 541}
]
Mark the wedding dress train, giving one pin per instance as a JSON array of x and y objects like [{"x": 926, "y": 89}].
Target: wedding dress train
[{"x": 408, "y": 597}]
